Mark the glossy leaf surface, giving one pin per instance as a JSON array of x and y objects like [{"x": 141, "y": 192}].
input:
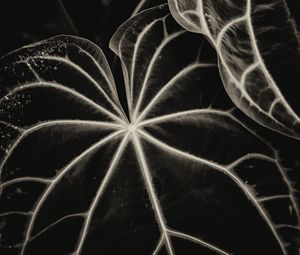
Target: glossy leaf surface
[{"x": 180, "y": 175}]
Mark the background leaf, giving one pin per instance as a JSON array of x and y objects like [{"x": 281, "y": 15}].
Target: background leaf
[{"x": 258, "y": 48}]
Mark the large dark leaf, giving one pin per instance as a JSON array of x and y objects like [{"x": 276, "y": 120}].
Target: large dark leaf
[
  {"x": 259, "y": 50},
  {"x": 181, "y": 176}
]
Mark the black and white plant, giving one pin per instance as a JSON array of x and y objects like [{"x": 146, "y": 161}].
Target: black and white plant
[{"x": 176, "y": 168}]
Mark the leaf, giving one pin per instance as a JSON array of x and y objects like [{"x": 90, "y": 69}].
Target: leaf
[
  {"x": 177, "y": 176},
  {"x": 259, "y": 55},
  {"x": 146, "y": 4}
]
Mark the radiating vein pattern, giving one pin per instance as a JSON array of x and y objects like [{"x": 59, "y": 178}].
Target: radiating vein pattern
[{"x": 179, "y": 175}]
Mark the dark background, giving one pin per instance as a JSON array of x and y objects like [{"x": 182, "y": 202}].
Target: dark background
[{"x": 26, "y": 21}]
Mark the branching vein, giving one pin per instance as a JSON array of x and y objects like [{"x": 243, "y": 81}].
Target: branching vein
[{"x": 58, "y": 178}]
